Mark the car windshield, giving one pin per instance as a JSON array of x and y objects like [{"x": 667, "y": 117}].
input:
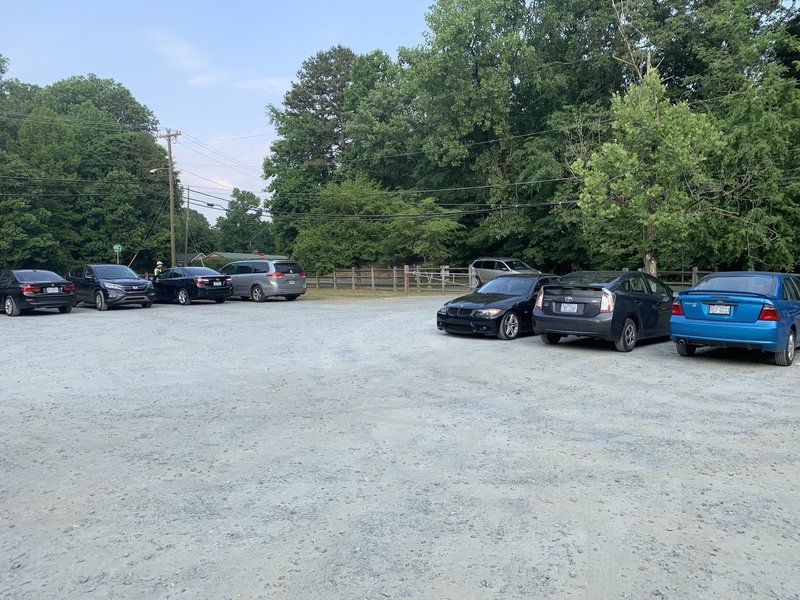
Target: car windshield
[
  {"x": 517, "y": 265},
  {"x": 510, "y": 286},
  {"x": 588, "y": 278},
  {"x": 115, "y": 272},
  {"x": 760, "y": 284},
  {"x": 32, "y": 276},
  {"x": 203, "y": 271}
]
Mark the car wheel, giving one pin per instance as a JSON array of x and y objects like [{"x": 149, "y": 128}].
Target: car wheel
[
  {"x": 294, "y": 297},
  {"x": 627, "y": 339},
  {"x": 147, "y": 304},
  {"x": 257, "y": 294},
  {"x": 685, "y": 349},
  {"x": 509, "y": 326},
  {"x": 10, "y": 306},
  {"x": 100, "y": 301},
  {"x": 551, "y": 339},
  {"x": 785, "y": 358},
  {"x": 219, "y": 300},
  {"x": 183, "y": 297},
  {"x": 65, "y": 309}
]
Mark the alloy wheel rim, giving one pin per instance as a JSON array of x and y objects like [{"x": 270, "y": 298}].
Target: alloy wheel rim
[
  {"x": 7, "y": 305},
  {"x": 512, "y": 325},
  {"x": 629, "y": 335},
  {"x": 790, "y": 348},
  {"x": 182, "y": 297},
  {"x": 98, "y": 300}
]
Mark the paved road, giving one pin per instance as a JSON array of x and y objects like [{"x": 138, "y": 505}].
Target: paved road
[{"x": 348, "y": 450}]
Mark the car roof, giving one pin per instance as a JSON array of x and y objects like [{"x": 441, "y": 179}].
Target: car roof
[
  {"x": 499, "y": 258},
  {"x": 524, "y": 276},
  {"x": 747, "y": 273}
]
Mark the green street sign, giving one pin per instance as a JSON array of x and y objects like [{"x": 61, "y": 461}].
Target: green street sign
[{"x": 117, "y": 248}]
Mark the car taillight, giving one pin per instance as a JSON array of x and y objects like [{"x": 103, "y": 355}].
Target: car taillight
[
  {"x": 229, "y": 281},
  {"x": 70, "y": 287},
  {"x": 302, "y": 273},
  {"x": 607, "y": 302},
  {"x": 30, "y": 289},
  {"x": 539, "y": 296},
  {"x": 677, "y": 308},
  {"x": 275, "y": 274},
  {"x": 200, "y": 281},
  {"x": 769, "y": 313}
]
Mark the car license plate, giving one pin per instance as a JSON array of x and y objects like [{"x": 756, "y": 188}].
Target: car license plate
[
  {"x": 52, "y": 290},
  {"x": 719, "y": 309},
  {"x": 217, "y": 283},
  {"x": 292, "y": 282},
  {"x": 569, "y": 308}
]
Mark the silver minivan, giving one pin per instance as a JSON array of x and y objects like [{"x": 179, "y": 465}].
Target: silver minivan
[
  {"x": 484, "y": 269},
  {"x": 259, "y": 279}
]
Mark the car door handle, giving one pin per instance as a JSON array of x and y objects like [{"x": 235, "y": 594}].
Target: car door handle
[{"x": 637, "y": 301}]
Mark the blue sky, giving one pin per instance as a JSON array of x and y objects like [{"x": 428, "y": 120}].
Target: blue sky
[{"x": 207, "y": 69}]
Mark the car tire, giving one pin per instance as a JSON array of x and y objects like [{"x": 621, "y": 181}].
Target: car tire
[
  {"x": 627, "y": 338},
  {"x": 220, "y": 300},
  {"x": 147, "y": 304},
  {"x": 478, "y": 282},
  {"x": 67, "y": 308},
  {"x": 293, "y": 297},
  {"x": 786, "y": 357},
  {"x": 551, "y": 339},
  {"x": 183, "y": 297},
  {"x": 257, "y": 294},
  {"x": 685, "y": 349},
  {"x": 10, "y": 306},
  {"x": 509, "y": 326},
  {"x": 100, "y": 301}
]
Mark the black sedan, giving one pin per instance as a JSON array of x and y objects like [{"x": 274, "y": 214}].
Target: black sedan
[
  {"x": 619, "y": 306},
  {"x": 110, "y": 285},
  {"x": 501, "y": 307},
  {"x": 185, "y": 284},
  {"x": 26, "y": 289}
]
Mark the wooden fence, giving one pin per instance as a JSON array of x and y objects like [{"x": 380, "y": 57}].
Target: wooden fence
[{"x": 407, "y": 279}]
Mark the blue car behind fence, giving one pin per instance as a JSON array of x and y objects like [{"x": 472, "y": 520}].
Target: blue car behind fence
[{"x": 751, "y": 310}]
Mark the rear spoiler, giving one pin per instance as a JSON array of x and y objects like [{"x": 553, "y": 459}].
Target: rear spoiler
[{"x": 725, "y": 292}]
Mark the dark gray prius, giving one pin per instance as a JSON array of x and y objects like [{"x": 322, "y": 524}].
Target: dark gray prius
[{"x": 619, "y": 306}]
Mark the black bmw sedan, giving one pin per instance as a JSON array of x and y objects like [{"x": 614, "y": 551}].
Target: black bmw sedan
[
  {"x": 185, "y": 284},
  {"x": 22, "y": 290},
  {"x": 619, "y": 306},
  {"x": 501, "y": 307}
]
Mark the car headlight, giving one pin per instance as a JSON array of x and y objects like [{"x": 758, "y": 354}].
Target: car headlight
[
  {"x": 114, "y": 286},
  {"x": 443, "y": 310},
  {"x": 488, "y": 312}
]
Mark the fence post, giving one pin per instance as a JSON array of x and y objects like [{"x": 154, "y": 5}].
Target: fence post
[
  {"x": 417, "y": 277},
  {"x": 334, "y": 277},
  {"x": 694, "y": 275},
  {"x": 405, "y": 279},
  {"x": 444, "y": 276},
  {"x": 317, "y": 279},
  {"x": 394, "y": 279},
  {"x": 372, "y": 277},
  {"x": 353, "y": 278}
]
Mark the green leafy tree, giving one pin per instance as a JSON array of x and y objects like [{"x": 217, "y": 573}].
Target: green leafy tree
[
  {"x": 642, "y": 193},
  {"x": 243, "y": 228}
]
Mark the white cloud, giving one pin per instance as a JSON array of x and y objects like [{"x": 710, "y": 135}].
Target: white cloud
[{"x": 179, "y": 54}]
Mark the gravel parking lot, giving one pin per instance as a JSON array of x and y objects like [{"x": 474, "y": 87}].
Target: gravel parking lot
[{"x": 329, "y": 449}]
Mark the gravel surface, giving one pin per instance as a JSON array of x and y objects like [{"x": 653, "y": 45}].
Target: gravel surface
[{"x": 319, "y": 449}]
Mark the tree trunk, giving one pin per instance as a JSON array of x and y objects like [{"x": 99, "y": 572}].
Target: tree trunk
[{"x": 651, "y": 263}]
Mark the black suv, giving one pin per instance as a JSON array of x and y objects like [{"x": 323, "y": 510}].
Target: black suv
[{"x": 110, "y": 285}]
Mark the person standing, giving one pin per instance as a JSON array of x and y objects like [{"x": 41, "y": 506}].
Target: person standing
[{"x": 159, "y": 269}]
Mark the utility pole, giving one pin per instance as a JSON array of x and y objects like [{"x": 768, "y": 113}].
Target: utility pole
[
  {"x": 186, "y": 237},
  {"x": 169, "y": 135}
]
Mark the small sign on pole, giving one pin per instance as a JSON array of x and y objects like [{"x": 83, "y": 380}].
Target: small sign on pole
[{"x": 117, "y": 250}]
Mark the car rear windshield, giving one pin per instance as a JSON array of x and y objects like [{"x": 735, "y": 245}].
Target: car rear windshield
[
  {"x": 760, "y": 284},
  {"x": 593, "y": 278},
  {"x": 193, "y": 271},
  {"x": 34, "y": 276},
  {"x": 287, "y": 267},
  {"x": 511, "y": 286},
  {"x": 115, "y": 272}
]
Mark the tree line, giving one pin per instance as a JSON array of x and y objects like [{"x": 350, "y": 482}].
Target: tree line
[{"x": 569, "y": 133}]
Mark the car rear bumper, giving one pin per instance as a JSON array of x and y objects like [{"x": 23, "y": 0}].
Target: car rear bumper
[
  {"x": 601, "y": 326},
  {"x": 47, "y": 301},
  {"x": 760, "y": 335},
  {"x": 466, "y": 325},
  {"x": 213, "y": 293}
]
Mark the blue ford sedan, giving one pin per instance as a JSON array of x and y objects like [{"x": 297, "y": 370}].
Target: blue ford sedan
[{"x": 752, "y": 310}]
